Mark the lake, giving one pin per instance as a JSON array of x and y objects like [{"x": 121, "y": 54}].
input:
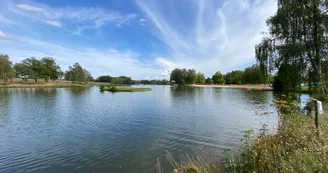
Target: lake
[{"x": 85, "y": 130}]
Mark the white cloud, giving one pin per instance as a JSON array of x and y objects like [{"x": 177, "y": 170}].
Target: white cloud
[
  {"x": 215, "y": 35},
  {"x": 108, "y": 61},
  {"x": 164, "y": 63},
  {"x": 5, "y": 36},
  {"x": 29, "y": 7},
  {"x": 54, "y": 23},
  {"x": 207, "y": 35},
  {"x": 142, "y": 21},
  {"x": 166, "y": 73},
  {"x": 77, "y": 18}
]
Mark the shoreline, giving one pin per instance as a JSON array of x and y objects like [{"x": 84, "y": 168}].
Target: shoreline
[
  {"x": 246, "y": 87},
  {"x": 43, "y": 84}
]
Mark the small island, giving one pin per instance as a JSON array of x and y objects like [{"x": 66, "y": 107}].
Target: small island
[{"x": 113, "y": 88}]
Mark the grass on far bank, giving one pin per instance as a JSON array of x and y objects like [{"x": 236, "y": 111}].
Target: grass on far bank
[
  {"x": 18, "y": 83},
  {"x": 112, "y": 88},
  {"x": 294, "y": 148}
]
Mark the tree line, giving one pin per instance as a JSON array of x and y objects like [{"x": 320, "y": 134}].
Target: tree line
[
  {"x": 251, "y": 75},
  {"x": 45, "y": 68},
  {"x": 296, "y": 46},
  {"x": 115, "y": 80},
  {"x": 128, "y": 81}
]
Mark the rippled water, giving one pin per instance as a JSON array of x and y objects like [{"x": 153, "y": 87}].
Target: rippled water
[{"x": 84, "y": 130}]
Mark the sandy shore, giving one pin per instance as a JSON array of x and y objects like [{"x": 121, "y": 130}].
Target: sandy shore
[{"x": 249, "y": 87}]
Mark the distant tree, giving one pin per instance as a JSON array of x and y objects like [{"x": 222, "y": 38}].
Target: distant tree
[
  {"x": 177, "y": 76},
  {"x": 32, "y": 68},
  {"x": 208, "y": 80},
  {"x": 6, "y": 70},
  {"x": 183, "y": 76},
  {"x": 153, "y": 82},
  {"x": 234, "y": 77},
  {"x": 218, "y": 78},
  {"x": 200, "y": 78},
  {"x": 29, "y": 68},
  {"x": 191, "y": 76},
  {"x": 253, "y": 75},
  {"x": 104, "y": 79},
  {"x": 126, "y": 80},
  {"x": 77, "y": 74},
  {"x": 49, "y": 69}
]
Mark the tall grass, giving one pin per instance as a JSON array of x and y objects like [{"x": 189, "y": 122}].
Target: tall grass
[{"x": 295, "y": 147}]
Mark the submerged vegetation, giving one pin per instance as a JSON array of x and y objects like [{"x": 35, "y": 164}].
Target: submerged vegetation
[{"x": 113, "y": 88}]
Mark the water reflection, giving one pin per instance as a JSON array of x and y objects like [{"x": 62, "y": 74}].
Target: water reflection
[{"x": 84, "y": 130}]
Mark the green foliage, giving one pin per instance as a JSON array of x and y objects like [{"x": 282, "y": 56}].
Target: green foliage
[
  {"x": 29, "y": 68},
  {"x": 200, "y": 78},
  {"x": 253, "y": 75},
  {"x": 77, "y": 74},
  {"x": 122, "y": 80},
  {"x": 183, "y": 76},
  {"x": 153, "y": 82},
  {"x": 234, "y": 77},
  {"x": 49, "y": 69},
  {"x": 297, "y": 39},
  {"x": 287, "y": 79},
  {"x": 294, "y": 148},
  {"x": 6, "y": 70},
  {"x": 177, "y": 76},
  {"x": 32, "y": 68},
  {"x": 104, "y": 79},
  {"x": 208, "y": 81},
  {"x": 218, "y": 78}
]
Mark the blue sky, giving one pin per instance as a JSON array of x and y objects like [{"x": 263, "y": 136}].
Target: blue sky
[{"x": 144, "y": 39}]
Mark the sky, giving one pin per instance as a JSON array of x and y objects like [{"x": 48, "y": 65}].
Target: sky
[{"x": 143, "y": 39}]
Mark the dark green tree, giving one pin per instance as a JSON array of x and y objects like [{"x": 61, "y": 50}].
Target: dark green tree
[
  {"x": 29, "y": 68},
  {"x": 253, "y": 75},
  {"x": 104, "y": 79},
  {"x": 191, "y": 76},
  {"x": 49, "y": 69},
  {"x": 183, "y": 76},
  {"x": 6, "y": 69},
  {"x": 200, "y": 78},
  {"x": 218, "y": 78},
  {"x": 234, "y": 77},
  {"x": 208, "y": 81},
  {"x": 297, "y": 38},
  {"x": 177, "y": 77},
  {"x": 77, "y": 74}
]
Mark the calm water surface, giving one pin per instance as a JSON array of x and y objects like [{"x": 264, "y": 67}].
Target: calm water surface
[{"x": 84, "y": 130}]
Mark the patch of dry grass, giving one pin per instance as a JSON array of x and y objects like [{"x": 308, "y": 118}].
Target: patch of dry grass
[{"x": 18, "y": 83}]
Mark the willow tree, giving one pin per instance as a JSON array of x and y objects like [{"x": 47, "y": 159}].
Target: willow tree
[{"x": 297, "y": 38}]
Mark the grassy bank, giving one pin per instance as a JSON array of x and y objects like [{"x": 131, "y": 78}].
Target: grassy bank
[
  {"x": 295, "y": 147},
  {"x": 112, "y": 88},
  {"x": 18, "y": 83}
]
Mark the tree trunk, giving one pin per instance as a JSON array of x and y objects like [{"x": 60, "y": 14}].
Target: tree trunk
[{"x": 317, "y": 48}]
